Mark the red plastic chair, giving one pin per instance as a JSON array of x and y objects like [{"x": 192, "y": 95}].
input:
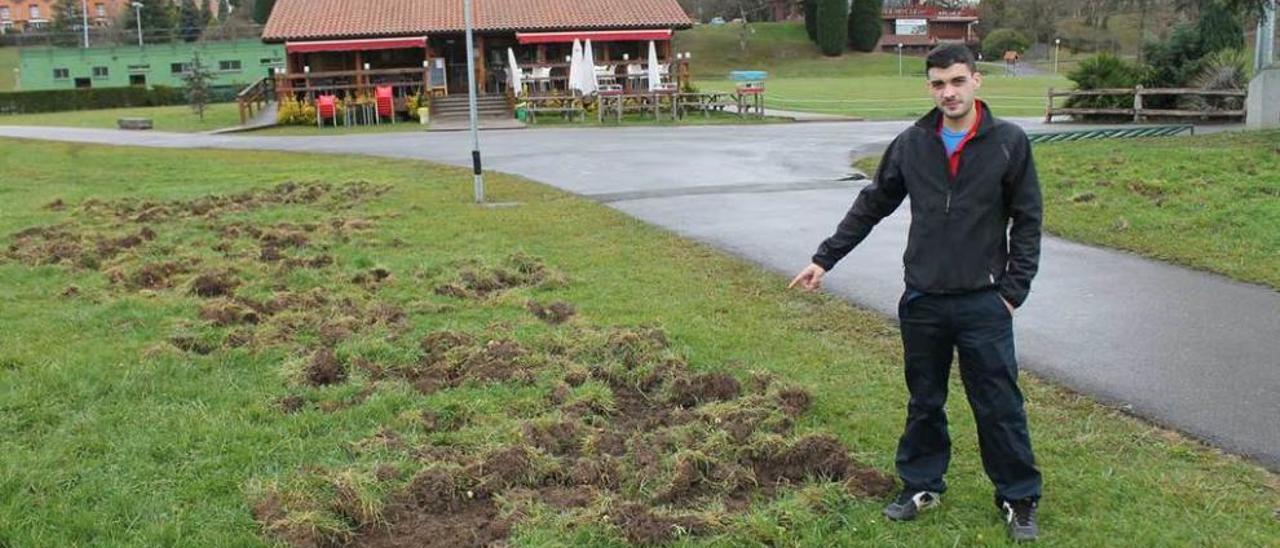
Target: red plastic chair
[
  {"x": 326, "y": 108},
  {"x": 385, "y": 103}
]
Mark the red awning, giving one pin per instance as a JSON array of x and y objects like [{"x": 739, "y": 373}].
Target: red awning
[
  {"x": 594, "y": 35},
  {"x": 356, "y": 45}
]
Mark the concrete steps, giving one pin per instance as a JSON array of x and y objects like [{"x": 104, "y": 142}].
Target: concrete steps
[{"x": 456, "y": 106}]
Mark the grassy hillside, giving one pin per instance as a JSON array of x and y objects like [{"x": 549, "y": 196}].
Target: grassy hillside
[{"x": 780, "y": 48}]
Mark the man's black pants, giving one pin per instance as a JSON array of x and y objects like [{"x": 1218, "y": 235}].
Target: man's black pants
[{"x": 980, "y": 328}]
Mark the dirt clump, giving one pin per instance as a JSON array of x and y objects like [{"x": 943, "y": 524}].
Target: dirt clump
[
  {"x": 47, "y": 245},
  {"x": 556, "y": 313},
  {"x": 191, "y": 344},
  {"x": 436, "y": 345},
  {"x": 224, "y": 312},
  {"x": 473, "y": 522},
  {"x": 214, "y": 284},
  {"x": 795, "y": 401},
  {"x": 869, "y": 483},
  {"x": 291, "y": 404},
  {"x": 155, "y": 275},
  {"x": 820, "y": 456},
  {"x": 689, "y": 392},
  {"x": 643, "y": 526},
  {"x": 56, "y": 205},
  {"x": 557, "y": 438},
  {"x": 325, "y": 369},
  {"x": 71, "y": 291},
  {"x": 478, "y": 281}
]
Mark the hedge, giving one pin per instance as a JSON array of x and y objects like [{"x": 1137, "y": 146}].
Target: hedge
[{"x": 24, "y": 102}]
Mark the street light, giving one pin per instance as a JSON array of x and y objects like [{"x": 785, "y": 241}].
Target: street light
[
  {"x": 1057, "y": 45},
  {"x": 477, "y": 173},
  {"x": 899, "y": 60},
  {"x": 84, "y": 20},
  {"x": 137, "y": 17}
]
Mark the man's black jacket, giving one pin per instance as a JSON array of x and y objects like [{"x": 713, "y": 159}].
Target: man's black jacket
[{"x": 961, "y": 239}]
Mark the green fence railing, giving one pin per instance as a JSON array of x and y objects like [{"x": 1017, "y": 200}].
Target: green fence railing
[{"x": 1112, "y": 133}]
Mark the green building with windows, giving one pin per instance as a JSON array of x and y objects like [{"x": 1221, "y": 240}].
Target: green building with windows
[{"x": 233, "y": 63}]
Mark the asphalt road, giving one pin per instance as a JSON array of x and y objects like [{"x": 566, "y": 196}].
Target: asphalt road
[{"x": 1194, "y": 351}]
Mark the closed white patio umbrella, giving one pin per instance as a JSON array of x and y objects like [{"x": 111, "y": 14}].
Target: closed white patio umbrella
[
  {"x": 655, "y": 77},
  {"x": 514, "y": 69},
  {"x": 589, "y": 84},
  {"x": 575, "y": 67}
]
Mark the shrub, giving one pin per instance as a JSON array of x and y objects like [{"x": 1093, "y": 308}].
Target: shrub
[
  {"x": 1176, "y": 60},
  {"x": 292, "y": 112},
  {"x": 20, "y": 102},
  {"x": 1219, "y": 29},
  {"x": 864, "y": 25},
  {"x": 811, "y": 19},
  {"x": 833, "y": 32},
  {"x": 1227, "y": 69},
  {"x": 1104, "y": 71},
  {"x": 1002, "y": 40}
]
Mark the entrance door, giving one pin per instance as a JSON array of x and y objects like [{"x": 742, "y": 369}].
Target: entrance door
[
  {"x": 83, "y": 83},
  {"x": 138, "y": 80},
  {"x": 454, "y": 52}
]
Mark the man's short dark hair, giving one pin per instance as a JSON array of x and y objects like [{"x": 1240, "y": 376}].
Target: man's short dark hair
[{"x": 942, "y": 57}]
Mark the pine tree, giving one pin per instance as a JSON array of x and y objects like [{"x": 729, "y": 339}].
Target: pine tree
[
  {"x": 189, "y": 21},
  {"x": 811, "y": 19},
  {"x": 865, "y": 25},
  {"x": 158, "y": 21},
  {"x": 1219, "y": 28},
  {"x": 262, "y": 10},
  {"x": 67, "y": 21},
  {"x": 206, "y": 13},
  {"x": 833, "y": 32}
]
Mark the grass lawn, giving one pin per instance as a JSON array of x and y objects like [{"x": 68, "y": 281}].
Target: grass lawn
[
  {"x": 8, "y": 61},
  {"x": 144, "y": 405},
  {"x": 782, "y": 49},
  {"x": 855, "y": 84},
  {"x": 1209, "y": 202},
  {"x": 177, "y": 118},
  {"x": 891, "y": 97}
]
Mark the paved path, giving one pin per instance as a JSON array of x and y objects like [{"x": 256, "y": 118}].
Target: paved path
[{"x": 1195, "y": 351}]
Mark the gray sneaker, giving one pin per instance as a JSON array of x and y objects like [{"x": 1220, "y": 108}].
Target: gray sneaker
[
  {"x": 1020, "y": 519},
  {"x": 910, "y": 503}
]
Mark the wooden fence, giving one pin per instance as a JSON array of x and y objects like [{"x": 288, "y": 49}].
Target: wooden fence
[{"x": 1137, "y": 111}]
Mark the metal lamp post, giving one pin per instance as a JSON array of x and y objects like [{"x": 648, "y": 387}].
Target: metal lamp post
[
  {"x": 899, "y": 60},
  {"x": 1264, "y": 50},
  {"x": 137, "y": 18},
  {"x": 84, "y": 20},
  {"x": 477, "y": 173},
  {"x": 1057, "y": 46}
]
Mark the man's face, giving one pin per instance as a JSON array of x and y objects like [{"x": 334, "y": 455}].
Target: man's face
[{"x": 953, "y": 89}]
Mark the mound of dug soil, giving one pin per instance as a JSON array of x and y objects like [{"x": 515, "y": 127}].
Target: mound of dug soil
[{"x": 641, "y": 442}]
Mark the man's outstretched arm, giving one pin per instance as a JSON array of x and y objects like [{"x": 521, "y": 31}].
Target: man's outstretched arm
[{"x": 875, "y": 202}]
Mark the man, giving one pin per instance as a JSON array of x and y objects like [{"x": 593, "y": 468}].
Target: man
[{"x": 972, "y": 250}]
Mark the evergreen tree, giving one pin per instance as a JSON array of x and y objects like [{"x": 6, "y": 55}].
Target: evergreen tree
[
  {"x": 158, "y": 21},
  {"x": 189, "y": 21},
  {"x": 66, "y": 23},
  {"x": 811, "y": 19},
  {"x": 833, "y": 32},
  {"x": 1219, "y": 28},
  {"x": 262, "y": 10},
  {"x": 206, "y": 13},
  {"x": 865, "y": 25}
]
